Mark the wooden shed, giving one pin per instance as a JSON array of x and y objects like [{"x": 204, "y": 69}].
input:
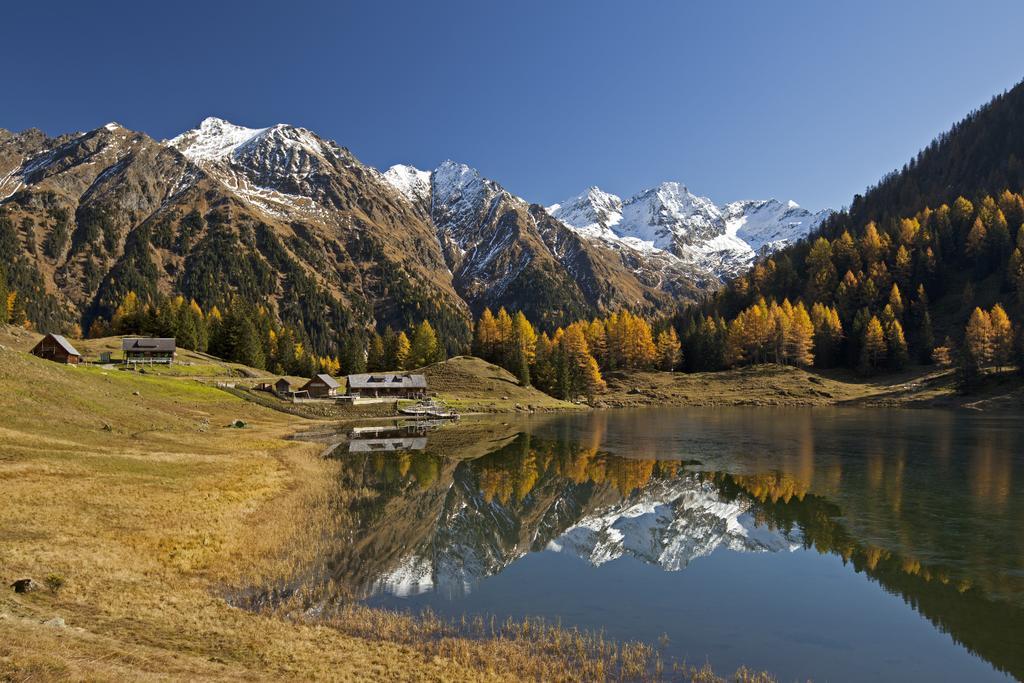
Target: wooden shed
[
  {"x": 321, "y": 386},
  {"x": 282, "y": 387},
  {"x": 58, "y": 349}
]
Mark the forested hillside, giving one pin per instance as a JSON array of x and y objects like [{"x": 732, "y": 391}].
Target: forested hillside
[
  {"x": 983, "y": 154},
  {"x": 926, "y": 266}
]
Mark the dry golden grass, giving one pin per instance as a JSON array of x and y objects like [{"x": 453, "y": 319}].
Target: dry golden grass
[
  {"x": 778, "y": 385},
  {"x": 147, "y": 504},
  {"x": 474, "y": 385},
  {"x": 134, "y": 490}
]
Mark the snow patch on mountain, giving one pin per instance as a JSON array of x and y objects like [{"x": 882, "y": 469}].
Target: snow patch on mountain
[
  {"x": 413, "y": 183},
  {"x": 461, "y": 198},
  {"x": 592, "y": 214},
  {"x": 668, "y": 213},
  {"x": 671, "y": 220},
  {"x": 214, "y": 140},
  {"x": 9, "y": 184},
  {"x": 771, "y": 223}
]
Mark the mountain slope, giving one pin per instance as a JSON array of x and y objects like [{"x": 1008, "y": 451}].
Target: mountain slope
[
  {"x": 504, "y": 251},
  {"x": 276, "y": 216},
  {"x": 281, "y": 218},
  {"x": 982, "y": 154}
]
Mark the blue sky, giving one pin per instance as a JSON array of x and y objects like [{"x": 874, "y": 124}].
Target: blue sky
[{"x": 792, "y": 99}]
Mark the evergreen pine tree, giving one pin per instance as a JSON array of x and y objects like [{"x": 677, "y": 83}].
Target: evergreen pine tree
[
  {"x": 669, "y": 349},
  {"x": 402, "y": 352},
  {"x": 1002, "y": 336},
  {"x": 543, "y": 372},
  {"x": 425, "y": 348},
  {"x": 241, "y": 341},
  {"x": 375, "y": 356},
  {"x": 873, "y": 348},
  {"x": 925, "y": 339},
  {"x": 800, "y": 337},
  {"x": 896, "y": 344}
]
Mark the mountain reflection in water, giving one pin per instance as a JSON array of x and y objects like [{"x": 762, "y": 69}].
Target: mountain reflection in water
[{"x": 922, "y": 503}]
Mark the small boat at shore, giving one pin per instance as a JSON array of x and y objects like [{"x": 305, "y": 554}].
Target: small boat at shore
[{"x": 429, "y": 409}]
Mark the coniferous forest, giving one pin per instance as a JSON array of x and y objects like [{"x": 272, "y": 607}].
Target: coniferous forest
[{"x": 927, "y": 266}]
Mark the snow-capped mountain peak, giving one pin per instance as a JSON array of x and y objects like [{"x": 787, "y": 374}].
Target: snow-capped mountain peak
[
  {"x": 410, "y": 181},
  {"x": 660, "y": 234},
  {"x": 591, "y": 214},
  {"x": 668, "y": 214},
  {"x": 453, "y": 179},
  {"x": 671, "y": 220},
  {"x": 770, "y": 222},
  {"x": 460, "y": 198},
  {"x": 215, "y": 139},
  {"x": 281, "y": 150},
  {"x": 284, "y": 170}
]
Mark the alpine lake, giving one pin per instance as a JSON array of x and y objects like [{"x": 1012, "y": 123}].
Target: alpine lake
[{"x": 824, "y": 544}]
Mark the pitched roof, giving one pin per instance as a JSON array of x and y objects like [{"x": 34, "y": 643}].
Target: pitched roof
[
  {"x": 326, "y": 379},
  {"x": 64, "y": 344},
  {"x": 148, "y": 344},
  {"x": 378, "y": 381}
]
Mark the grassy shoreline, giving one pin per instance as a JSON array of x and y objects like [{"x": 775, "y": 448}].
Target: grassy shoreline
[
  {"x": 777, "y": 385},
  {"x": 135, "y": 490}
]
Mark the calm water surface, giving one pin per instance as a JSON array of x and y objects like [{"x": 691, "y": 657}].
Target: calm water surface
[{"x": 839, "y": 545}]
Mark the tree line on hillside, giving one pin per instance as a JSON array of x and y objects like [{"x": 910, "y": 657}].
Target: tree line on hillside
[
  {"x": 12, "y": 308},
  {"x": 25, "y": 300},
  {"x": 982, "y": 154},
  {"x": 251, "y": 335},
  {"x": 568, "y": 362},
  {"x": 869, "y": 296},
  {"x": 859, "y": 300}
]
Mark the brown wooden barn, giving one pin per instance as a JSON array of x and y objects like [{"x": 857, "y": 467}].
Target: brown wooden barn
[
  {"x": 58, "y": 349},
  {"x": 321, "y": 386}
]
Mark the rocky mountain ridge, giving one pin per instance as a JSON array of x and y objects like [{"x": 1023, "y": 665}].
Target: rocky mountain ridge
[
  {"x": 718, "y": 241},
  {"x": 286, "y": 219}
]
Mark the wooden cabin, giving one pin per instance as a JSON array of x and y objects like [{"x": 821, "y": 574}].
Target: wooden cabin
[
  {"x": 58, "y": 349},
  {"x": 149, "y": 349},
  {"x": 321, "y": 386},
  {"x": 380, "y": 385},
  {"x": 282, "y": 387}
]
